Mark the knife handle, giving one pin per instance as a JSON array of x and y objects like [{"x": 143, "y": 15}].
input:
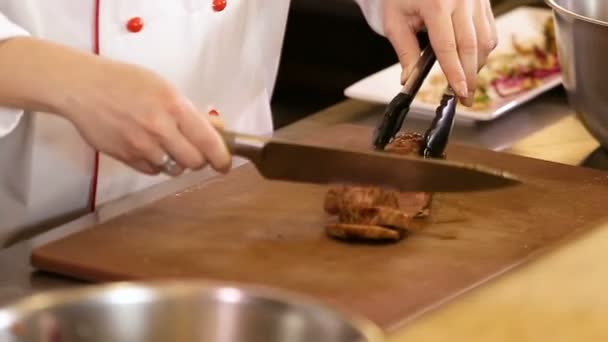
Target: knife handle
[{"x": 243, "y": 145}]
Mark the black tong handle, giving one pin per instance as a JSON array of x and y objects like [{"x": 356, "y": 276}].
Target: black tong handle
[
  {"x": 398, "y": 108},
  {"x": 392, "y": 120},
  {"x": 437, "y": 136}
]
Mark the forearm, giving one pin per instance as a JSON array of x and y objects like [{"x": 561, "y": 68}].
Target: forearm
[{"x": 40, "y": 75}]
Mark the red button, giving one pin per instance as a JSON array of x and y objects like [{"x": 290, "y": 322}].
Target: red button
[
  {"x": 219, "y": 5},
  {"x": 214, "y": 112},
  {"x": 135, "y": 24}
]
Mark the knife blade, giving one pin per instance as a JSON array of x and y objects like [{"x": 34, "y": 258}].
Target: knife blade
[{"x": 293, "y": 162}]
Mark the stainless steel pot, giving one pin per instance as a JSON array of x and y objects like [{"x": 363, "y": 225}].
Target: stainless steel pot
[
  {"x": 176, "y": 312},
  {"x": 582, "y": 36}
]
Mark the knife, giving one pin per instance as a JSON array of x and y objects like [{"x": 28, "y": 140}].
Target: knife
[{"x": 288, "y": 161}]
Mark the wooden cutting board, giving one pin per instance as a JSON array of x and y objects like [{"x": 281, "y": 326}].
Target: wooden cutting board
[{"x": 245, "y": 229}]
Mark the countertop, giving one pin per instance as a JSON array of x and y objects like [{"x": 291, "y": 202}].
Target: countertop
[{"x": 558, "y": 297}]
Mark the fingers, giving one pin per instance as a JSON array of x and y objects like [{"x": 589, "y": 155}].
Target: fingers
[
  {"x": 185, "y": 135},
  {"x": 182, "y": 149},
  {"x": 145, "y": 122},
  {"x": 466, "y": 39},
  {"x": 155, "y": 135},
  {"x": 141, "y": 151},
  {"x": 198, "y": 129},
  {"x": 216, "y": 122},
  {"x": 439, "y": 24},
  {"x": 485, "y": 28},
  {"x": 164, "y": 131},
  {"x": 145, "y": 167},
  {"x": 403, "y": 38},
  {"x": 149, "y": 152}
]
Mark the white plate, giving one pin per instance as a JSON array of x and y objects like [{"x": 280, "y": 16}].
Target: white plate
[{"x": 524, "y": 22}]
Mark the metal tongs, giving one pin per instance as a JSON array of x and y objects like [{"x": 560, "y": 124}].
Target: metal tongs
[{"x": 437, "y": 136}]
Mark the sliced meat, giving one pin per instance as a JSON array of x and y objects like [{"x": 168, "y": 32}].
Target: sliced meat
[
  {"x": 406, "y": 143},
  {"x": 347, "y": 231},
  {"x": 377, "y": 216},
  {"x": 416, "y": 204},
  {"x": 374, "y": 213},
  {"x": 348, "y": 198}
]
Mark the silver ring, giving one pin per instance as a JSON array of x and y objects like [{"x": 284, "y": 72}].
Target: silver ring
[{"x": 168, "y": 165}]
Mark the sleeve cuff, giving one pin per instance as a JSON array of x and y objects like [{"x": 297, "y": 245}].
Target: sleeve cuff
[
  {"x": 9, "y": 119},
  {"x": 372, "y": 11},
  {"x": 9, "y": 29}
]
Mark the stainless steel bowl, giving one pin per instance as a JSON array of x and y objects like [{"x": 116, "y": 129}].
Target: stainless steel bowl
[
  {"x": 176, "y": 312},
  {"x": 582, "y": 36}
]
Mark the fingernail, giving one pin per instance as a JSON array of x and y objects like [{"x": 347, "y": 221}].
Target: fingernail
[
  {"x": 226, "y": 166},
  {"x": 469, "y": 100},
  {"x": 404, "y": 74},
  {"x": 462, "y": 89},
  {"x": 217, "y": 122}
]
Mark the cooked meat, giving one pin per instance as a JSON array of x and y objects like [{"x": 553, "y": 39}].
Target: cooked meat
[
  {"x": 377, "y": 216},
  {"x": 406, "y": 143},
  {"x": 370, "y": 213},
  {"x": 344, "y": 198},
  {"x": 362, "y": 232},
  {"x": 417, "y": 204}
]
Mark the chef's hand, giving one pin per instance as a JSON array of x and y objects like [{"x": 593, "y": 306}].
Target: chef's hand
[
  {"x": 134, "y": 115},
  {"x": 462, "y": 34},
  {"x": 123, "y": 110}
]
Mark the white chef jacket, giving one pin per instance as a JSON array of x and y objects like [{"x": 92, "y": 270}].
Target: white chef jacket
[{"x": 225, "y": 59}]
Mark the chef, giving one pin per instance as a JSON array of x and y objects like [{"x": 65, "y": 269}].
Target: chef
[{"x": 100, "y": 98}]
